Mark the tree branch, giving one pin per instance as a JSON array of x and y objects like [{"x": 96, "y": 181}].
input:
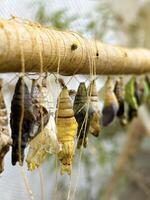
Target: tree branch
[{"x": 74, "y": 53}]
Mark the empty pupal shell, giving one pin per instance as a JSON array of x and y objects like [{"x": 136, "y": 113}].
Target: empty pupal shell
[
  {"x": 83, "y": 114},
  {"x": 120, "y": 93},
  {"x": 21, "y": 120},
  {"x": 95, "y": 127},
  {"x": 111, "y": 105},
  {"x": 5, "y": 139},
  {"x": 66, "y": 130},
  {"x": 44, "y": 143},
  {"x": 41, "y": 104}
]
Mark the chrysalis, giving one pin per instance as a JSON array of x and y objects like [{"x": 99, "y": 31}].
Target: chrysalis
[
  {"x": 138, "y": 92},
  {"x": 5, "y": 139},
  {"x": 46, "y": 140},
  {"x": 141, "y": 90},
  {"x": 130, "y": 97},
  {"x": 21, "y": 120},
  {"x": 120, "y": 92},
  {"x": 83, "y": 114},
  {"x": 43, "y": 144},
  {"x": 94, "y": 104},
  {"x": 66, "y": 130},
  {"x": 111, "y": 106},
  {"x": 40, "y": 105}
]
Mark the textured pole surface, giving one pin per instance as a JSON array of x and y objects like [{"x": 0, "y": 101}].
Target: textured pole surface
[{"x": 68, "y": 50}]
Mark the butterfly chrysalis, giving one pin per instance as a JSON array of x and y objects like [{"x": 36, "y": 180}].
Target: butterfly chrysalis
[
  {"x": 21, "y": 120},
  {"x": 94, "y": 104},
  {"x": 66, "y": 130},
  {"x": 83, "y": 114},
  {"x": 45, "y": 140}
]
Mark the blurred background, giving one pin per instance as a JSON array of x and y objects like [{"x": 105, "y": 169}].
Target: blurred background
[{"x": 116, "y": 165}]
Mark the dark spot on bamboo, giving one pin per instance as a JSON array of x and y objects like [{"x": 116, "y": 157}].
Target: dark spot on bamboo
[
  {"x": 97, "y": 54},
  {"x": 74, "y": 47}
]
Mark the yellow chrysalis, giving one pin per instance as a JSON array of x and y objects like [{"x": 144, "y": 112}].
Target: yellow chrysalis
[{"x": 66, "y": 130}]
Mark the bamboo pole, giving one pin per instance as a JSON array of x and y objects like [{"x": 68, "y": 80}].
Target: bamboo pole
[{"x": 68, "y": 50}]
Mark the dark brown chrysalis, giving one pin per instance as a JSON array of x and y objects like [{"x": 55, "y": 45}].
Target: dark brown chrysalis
[
  {"x": 5, "y": 139},
  {"x": 21, "y": 120}
]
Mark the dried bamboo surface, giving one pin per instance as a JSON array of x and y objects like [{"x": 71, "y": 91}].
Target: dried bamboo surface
[{"x": 66, "y": 49}]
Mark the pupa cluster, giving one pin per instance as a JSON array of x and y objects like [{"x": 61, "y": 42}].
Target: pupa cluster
[{"x": 36, "y": 123}]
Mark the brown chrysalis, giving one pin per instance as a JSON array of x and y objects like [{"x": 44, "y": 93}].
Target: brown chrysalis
[
  {"x": 21, "y": 120},
  {"x": 94, "y": 104},
  {"x": 120, "y": 94}
]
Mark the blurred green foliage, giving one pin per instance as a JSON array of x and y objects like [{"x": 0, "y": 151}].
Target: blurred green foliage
[{"x": 57, "y": 19}]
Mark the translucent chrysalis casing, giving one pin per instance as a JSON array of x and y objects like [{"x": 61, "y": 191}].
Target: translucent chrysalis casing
[
  {"x": 21, "y": 120},
  {"x": 5, "y": 139},
  {"x": 66, "y": 130},
  {"x": 46, "y": 140},
  {"x": 40, "y": 105},
  {"x": 43, "y": 144}
]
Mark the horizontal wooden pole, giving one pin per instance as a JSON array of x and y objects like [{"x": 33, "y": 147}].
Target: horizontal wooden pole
[{"x": 44, "y": 49}]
